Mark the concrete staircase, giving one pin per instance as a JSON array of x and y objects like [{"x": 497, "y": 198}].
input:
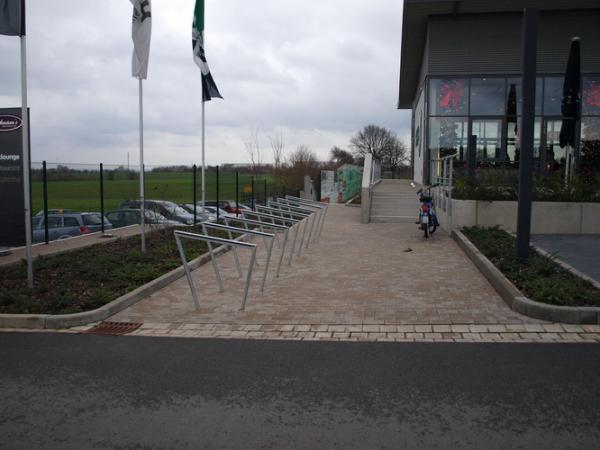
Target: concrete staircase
[{"x": 394, "y": 201}]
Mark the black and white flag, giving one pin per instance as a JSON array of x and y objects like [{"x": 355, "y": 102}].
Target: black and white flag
[
  {"x": 209, "y": 87},
  {"x": 140, "y": 33},
  {"x": 12, "y": 17}
]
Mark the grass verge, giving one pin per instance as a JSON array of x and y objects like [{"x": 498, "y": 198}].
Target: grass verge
[
  {"x": 83, "y": 280},
  {"x": 542, "y": 279}
]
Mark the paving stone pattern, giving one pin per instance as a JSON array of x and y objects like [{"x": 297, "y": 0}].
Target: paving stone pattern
[{"x": 355, "y": 275}]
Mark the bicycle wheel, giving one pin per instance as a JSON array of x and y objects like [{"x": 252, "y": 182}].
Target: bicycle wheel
[{"x": 432, "y": 228}]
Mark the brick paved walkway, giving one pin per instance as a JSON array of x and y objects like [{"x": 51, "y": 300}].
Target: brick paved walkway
[{"x": 355, "y": 275}]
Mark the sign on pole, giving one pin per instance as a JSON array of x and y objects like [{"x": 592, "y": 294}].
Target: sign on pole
[{"x": 12, "y": 206}]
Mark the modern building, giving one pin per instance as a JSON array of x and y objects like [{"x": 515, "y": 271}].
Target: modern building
[{"x": 460, "y": 75}]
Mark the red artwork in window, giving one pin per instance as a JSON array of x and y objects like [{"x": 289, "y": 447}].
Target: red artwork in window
[
  {"x": 592, "y": 94},
  {"x": 451, "y": 95}
]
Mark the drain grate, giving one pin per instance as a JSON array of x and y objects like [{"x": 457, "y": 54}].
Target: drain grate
[{"x": 114, "y": 328}]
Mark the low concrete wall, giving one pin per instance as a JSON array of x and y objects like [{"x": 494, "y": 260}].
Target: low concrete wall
[{"x": 546, "y": 217}]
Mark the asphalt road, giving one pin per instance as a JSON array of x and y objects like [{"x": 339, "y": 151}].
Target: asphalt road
[
  {"x": 60, "y": 391},
  {"x": 581, "y": 251}
]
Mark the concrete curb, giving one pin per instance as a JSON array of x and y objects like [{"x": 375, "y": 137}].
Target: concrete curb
[
  {"x": 50, "y": 321},
  {"x": 515, "y": 298}
]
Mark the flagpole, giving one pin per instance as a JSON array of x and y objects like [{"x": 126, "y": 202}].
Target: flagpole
[
  {"x": 26, "y": 163},
  {"x": 203, "y": 157},
  {"x": 142, "y": 205}
]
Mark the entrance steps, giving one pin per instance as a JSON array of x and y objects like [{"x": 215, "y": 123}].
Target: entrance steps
[{"x": 394, "y": 201}]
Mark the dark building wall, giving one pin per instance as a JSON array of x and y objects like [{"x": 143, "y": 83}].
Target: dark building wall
[{"x": 488, "y": 44}]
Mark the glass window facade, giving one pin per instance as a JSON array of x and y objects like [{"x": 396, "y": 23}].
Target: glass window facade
[
  {"x": 448, "y": 136},
  {"x": 590, "y": 101},
  {"x": 553, "y": 89},
  {"x": 488, "y": 97},
  {"x": 448, "y": 97},
  {"x": 490, "y": 108},
  {"x": 590, "y": 145},
  {"x": 514, "y": 91}
]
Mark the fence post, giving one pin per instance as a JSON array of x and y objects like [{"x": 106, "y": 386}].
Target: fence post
[
  {"x": 237, "y": 193},
  {"x": 194, "y": 187},
  {"x": 102, "y": 196},
  {"x": 45, "y": 184},
  {"x": 265, "y": 199},
  {"x": 253, "y": 205},
  {"x": 218, "y": 206}
]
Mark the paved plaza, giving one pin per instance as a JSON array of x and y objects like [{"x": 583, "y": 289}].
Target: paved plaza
[{"x": 358, "y": 282}]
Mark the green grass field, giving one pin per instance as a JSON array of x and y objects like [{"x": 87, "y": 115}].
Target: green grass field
[{"x": 82, "y": 193}]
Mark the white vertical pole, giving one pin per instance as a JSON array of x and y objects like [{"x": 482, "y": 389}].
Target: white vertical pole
[
  {"x": 26, "y": 163},
  {"x": 203, "y": 158},
  {"x": 142, "y": 206}
]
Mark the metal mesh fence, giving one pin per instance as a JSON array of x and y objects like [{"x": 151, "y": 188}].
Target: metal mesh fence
[{"x": 109, "y": 188}]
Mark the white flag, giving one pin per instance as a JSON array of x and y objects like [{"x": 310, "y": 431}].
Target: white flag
[{"x": 140, "y": 33}]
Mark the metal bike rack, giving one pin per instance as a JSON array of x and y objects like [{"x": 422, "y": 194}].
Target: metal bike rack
[
  {"x": 311, "y": 219},
  {"x": 273, "y": 218},
  {"x": 285, "y": 209},
  {"x": 242, "y": 231},
  {"x": 272, "y": 226},
  {"x": 291, "y": 214},
  {"x": 323, "y": 206},
  {"x": 317, "y": 210},
  {"x": 213, "y": 240}
]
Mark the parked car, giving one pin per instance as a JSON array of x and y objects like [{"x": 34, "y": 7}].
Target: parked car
[
  {"x": 57, "y": 211},
  {"x": 126, "y": 217},
  {"x": 170, "y": 210},
  {"x": 200, "y": 217},
  {"x": 213, "y": 210},
  {"x": 62, "y": 226},
  {"x": 228, "y": 205}
]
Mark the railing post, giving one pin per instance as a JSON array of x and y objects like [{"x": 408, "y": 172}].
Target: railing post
[
  {"x": 194, "y": 187},
  {"x": 253, "y": 204},
  {"x": 218, "y": 206},
  {"x": 237, "y": 193},
  {"x": 45, "y": 184},
  {"x": 265, "y": 183},
  {"x": 102, "y": 196}
]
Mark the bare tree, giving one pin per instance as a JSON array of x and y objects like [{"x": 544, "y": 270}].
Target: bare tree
[
  {"x": 372, "y": 139},
  {"x": 277, "y": 146},
  {"x": 301, "y": 162},
  {"x": 340, "y": 156},
  {"x": 252, "y": 145},
  {"x": 394, "y": 156}
]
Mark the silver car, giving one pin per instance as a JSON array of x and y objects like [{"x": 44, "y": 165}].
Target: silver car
[{"x": 62, "y": 226}]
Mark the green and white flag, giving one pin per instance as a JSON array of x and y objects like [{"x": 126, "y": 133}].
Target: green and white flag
[
  {"x": 209, "y": 88},
  {"x": 141, "y": 30},
  {"x": 12, "y": 17}
]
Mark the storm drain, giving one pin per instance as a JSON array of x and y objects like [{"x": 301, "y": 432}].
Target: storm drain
[{"x": 114, "y": 328}]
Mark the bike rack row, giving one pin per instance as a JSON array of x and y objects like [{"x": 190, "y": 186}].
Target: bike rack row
[{"x": 278, "y": 218}]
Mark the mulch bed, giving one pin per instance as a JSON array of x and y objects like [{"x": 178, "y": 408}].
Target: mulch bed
[
  {"x": 541, "y": 279},
  {"x": 85, "y": 279}
]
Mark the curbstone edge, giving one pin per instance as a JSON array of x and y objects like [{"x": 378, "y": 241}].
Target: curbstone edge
[
  {"x": 515, "y": 298},
  {"x": 58, "y": 321}
]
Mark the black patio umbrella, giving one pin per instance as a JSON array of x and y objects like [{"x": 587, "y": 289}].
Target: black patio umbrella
[{"x": 571, "y": 100}]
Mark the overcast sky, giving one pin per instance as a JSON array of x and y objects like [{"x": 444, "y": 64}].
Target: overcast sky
[{"x": 318, "y": 71}]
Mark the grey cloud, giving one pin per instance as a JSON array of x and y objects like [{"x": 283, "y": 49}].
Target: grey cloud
[{"x": 318, "y": 70}]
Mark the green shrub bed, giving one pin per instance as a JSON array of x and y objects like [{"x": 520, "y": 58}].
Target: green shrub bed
[
  {"x": 85, "y": 279},
  {"x": 541, "y": 279}
]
